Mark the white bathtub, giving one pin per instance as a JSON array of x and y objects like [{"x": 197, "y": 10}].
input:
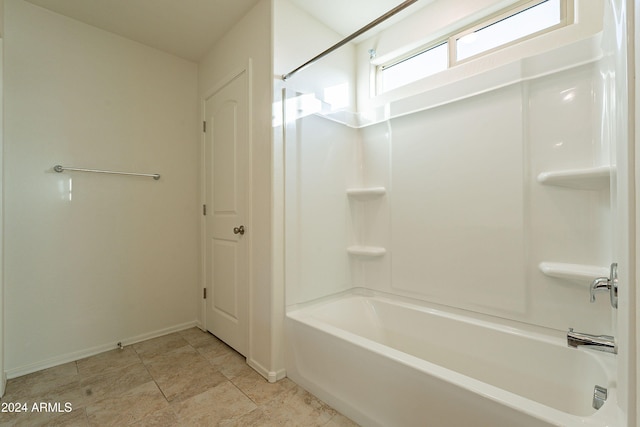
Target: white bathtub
[{"x": 389, "y": 362}]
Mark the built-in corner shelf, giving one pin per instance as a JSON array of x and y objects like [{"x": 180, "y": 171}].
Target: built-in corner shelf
[
  {"x": 596, "y": 178},
  {"x": 576, "y": 272},
  {"x": 367, "y": 193},
  {"x": 366, "y": 251}
]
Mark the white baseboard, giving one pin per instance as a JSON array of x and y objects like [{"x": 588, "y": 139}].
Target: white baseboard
[
  {"x": 271, "y": 376},
  {"x": 77, "y": 355},
  {"x": 277, "y": 375},
  {"x": 3, "y": 384}
]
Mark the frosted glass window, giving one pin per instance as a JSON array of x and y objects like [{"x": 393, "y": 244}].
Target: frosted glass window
[
  {"x": 525, "y": 23},
  {"x": 415, "y": 68}
]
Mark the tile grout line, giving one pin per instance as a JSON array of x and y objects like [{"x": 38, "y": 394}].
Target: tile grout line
[
  {"x": 229, "y": 380},
  {"x": 157, "y": 385},
  {"x": 248, "y": 384},
  {"x": 84, "y": 407}
]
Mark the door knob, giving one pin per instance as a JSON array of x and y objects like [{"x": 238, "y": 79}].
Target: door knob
[{"x": 238, "y": 230}]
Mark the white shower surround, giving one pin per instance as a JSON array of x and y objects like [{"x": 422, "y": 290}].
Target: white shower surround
[
  {"x": 341, "y": 364},
  {"x": 447, "y": 186}
]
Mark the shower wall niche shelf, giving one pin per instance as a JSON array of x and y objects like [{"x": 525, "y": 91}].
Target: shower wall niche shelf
[
  {"x": 576, "y": 272},
  {"x": 596, "y": 178},
  {"x": 366, "y": 193},
  {"x": 366, "y": 251}
]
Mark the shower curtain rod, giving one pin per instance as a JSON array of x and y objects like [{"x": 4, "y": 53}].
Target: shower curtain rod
[{"x": 346, "y": 40}]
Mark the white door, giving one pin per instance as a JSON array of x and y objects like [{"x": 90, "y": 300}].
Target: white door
[{"x": 226, "y": 172}]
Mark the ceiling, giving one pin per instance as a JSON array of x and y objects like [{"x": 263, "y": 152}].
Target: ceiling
[
  {"x": 347, "y": 16},
  {"x": 189, "y": 28},
  {"x": 185, "y": 28}
]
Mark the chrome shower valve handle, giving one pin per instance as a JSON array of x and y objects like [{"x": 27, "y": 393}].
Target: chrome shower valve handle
[
  {"x": 601, "y": 284},
  {"x": 606, "y": 284}
]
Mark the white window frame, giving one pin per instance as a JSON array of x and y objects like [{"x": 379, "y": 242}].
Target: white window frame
[
  {"x": 566, "y": 18},
  {"x": 407, "y": 56}
]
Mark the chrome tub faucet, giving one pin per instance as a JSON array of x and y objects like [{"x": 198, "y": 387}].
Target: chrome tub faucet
[{"x": 604, "y": 343}]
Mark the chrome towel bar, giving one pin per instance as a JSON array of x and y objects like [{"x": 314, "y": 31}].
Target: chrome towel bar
[{"x": 59, "y": 168}]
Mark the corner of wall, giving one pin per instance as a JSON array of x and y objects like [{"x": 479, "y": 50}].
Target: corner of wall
[
  {"x": 271, "y": 376},
  {"x": 1, "y": 18},
  {"x": 3, "y": 381},
  {"x": 634, "y": 139},
  {"x": 250, "y": 40}
]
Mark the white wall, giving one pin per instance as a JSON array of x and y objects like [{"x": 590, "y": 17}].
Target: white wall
[
  {"x": 299, "y": 37},
  {"x": 320, "y": 161},
  {"x": 321, "y": 154},
  {"x": 617, "y": 70},
  {"x": 635, "y": 142},
  {"x": 2, "y": 300},
  {"x": 95, "y": 259},
  {"x": 250, "y": 39}
]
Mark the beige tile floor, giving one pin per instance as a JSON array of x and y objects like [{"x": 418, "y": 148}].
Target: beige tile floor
[{"x": 189, "y": 378}]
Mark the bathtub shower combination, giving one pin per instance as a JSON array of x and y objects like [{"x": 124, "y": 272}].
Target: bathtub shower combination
[
  {"x": 449, "y": 255},
  {"x": 398, "y": 362}
]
